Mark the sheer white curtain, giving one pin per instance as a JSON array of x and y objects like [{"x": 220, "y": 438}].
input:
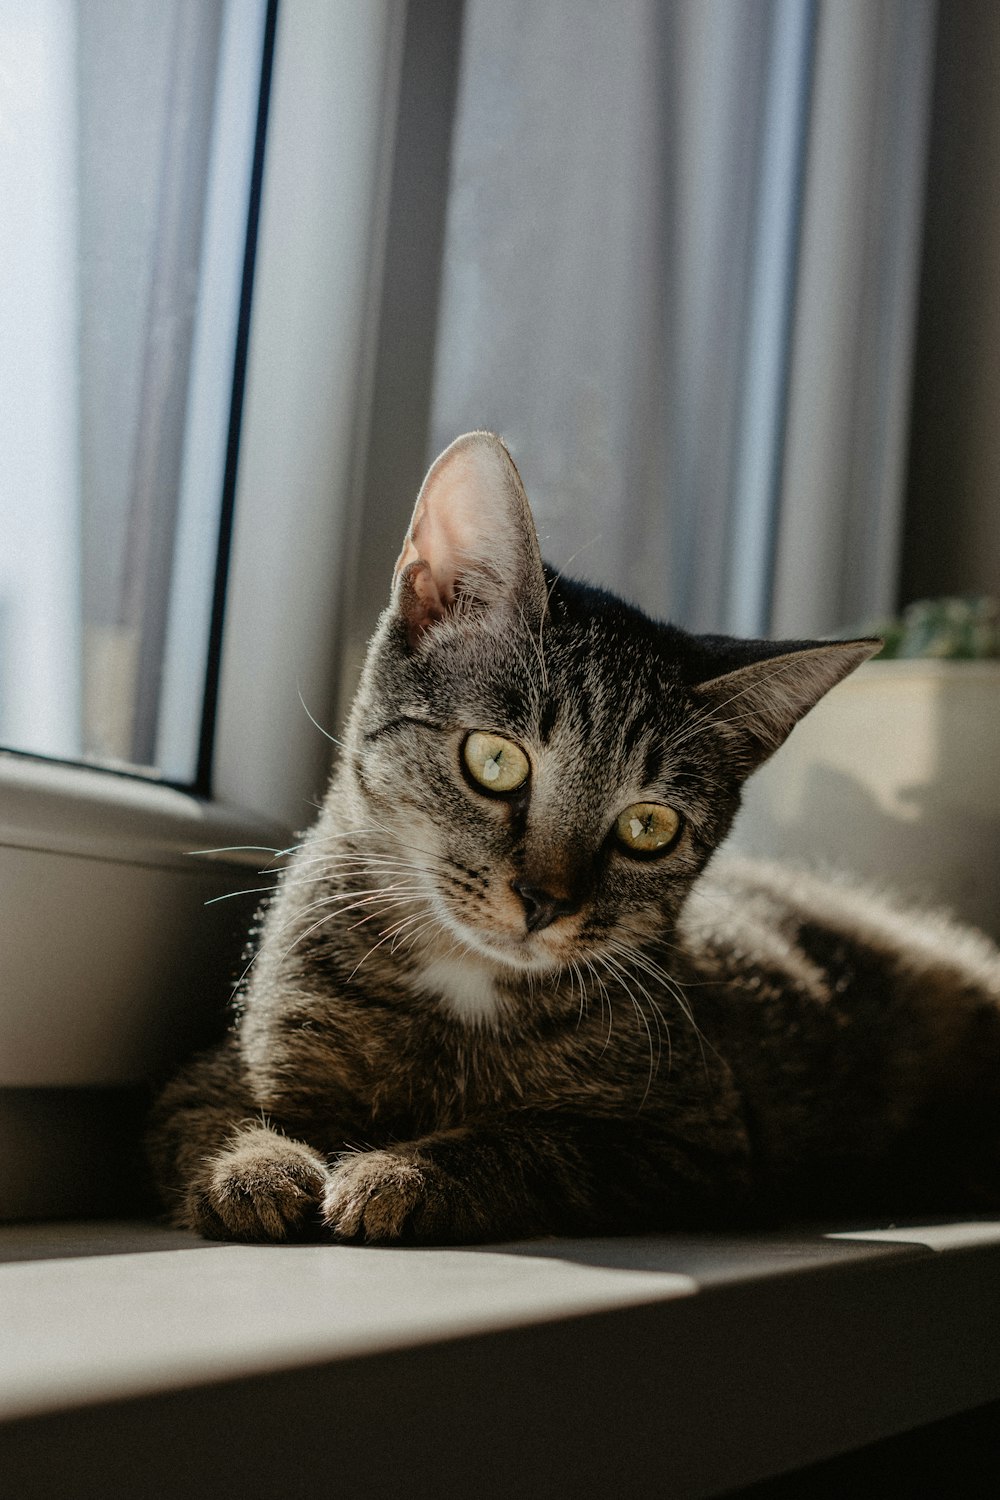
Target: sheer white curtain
[
  {"x": 126, "y": 145},
  {"x": 680, "y": 260}
]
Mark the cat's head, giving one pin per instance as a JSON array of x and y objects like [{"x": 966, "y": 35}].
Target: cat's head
[{"x": 550, "y": 767}]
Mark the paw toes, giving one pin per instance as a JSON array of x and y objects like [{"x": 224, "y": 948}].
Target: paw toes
[
  {"x": 373, "y": 1197},
  {"x": 258, "y": 1191}
]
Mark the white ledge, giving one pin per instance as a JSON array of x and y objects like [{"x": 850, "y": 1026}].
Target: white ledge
[{"x": 135, "y": 1359}]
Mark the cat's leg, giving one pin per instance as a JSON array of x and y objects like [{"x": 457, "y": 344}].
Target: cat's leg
[
  {"x": 221, "y": 1168},
  {"x": 538, "y": 1173}
]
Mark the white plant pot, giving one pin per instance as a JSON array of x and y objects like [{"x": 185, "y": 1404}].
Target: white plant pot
[{"x": 895, "y": 776}]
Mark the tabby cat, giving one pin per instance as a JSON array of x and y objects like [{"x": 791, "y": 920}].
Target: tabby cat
[{"x": 505, "y": 986}]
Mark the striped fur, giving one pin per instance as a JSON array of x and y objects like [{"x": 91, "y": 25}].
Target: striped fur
[{"x": 689, "y": 1040}]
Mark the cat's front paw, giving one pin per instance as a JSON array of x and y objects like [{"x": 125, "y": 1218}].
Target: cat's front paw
[
  {"x": 381, "y": 1196},
  {"x": 262, "y": 1187}
]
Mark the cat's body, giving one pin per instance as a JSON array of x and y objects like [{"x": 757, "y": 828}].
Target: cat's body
[{"x": 502, "y": 991}]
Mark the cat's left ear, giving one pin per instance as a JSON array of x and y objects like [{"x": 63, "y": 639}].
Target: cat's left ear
[
  {"x": 757, "y": 705},
  {"x": 472, "y": 544}
]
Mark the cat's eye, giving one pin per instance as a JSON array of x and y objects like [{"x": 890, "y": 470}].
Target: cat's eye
[
  {"x": 647, "y": 828},
  {"x": 495, "y": 764}
]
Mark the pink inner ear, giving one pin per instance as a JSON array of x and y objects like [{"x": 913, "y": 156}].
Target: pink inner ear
[
  {"x": 427, "y": 592},
  {"x": 448, "y": 530},
  {"x": 455, "y": 519},
  {"x": 471, "y": 534},
  {"x": 420, "y": 602}
]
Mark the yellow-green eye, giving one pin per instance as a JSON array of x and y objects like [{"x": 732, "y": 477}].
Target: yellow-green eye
[
  {"x": 647, "y": 827},
  {"x": 496, "y": 764}
]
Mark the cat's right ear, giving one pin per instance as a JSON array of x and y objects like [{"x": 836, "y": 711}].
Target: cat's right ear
[{"x": 472, "y": 545}]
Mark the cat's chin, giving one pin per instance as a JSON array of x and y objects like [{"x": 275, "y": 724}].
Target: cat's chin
[
  {"x": 505, "y": 954},
  {"x": 520, "y": 960}
]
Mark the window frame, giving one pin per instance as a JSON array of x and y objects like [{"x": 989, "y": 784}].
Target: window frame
[{"x": 69, "y": 832}]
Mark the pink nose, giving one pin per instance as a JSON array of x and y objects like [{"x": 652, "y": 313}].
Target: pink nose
[{"x": 541, "y": 907}]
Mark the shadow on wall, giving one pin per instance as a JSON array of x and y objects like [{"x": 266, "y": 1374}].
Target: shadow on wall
[{"x": 894, "y": 777}]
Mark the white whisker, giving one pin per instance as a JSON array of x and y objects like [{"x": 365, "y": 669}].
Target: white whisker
[{"x": 324, "y": 732}]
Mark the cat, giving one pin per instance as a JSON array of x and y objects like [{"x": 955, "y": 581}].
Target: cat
[{"x": 505, "y": 986}]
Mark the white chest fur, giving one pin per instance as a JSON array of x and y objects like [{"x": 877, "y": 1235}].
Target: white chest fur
[{"x": 464, "y": 986}]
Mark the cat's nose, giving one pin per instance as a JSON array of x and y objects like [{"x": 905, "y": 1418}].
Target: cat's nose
[{"x": 541, "y": 907}]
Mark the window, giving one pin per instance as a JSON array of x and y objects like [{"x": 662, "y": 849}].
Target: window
[
  {"x": 129, "y": 149},
  {"x": 357, "y": 351},
  {"x": 116, "y": 962}
]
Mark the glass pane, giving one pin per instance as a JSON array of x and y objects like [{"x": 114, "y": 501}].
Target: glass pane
[{"x": 126, "y": 145}]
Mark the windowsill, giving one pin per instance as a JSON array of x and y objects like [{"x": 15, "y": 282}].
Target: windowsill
[
  {"x": 698, "y": 1362},
  {"x": 110, "y": 815},
  {"x": 127, "y": 903}
]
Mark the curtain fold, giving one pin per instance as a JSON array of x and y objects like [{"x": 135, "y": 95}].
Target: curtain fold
[
  {"x": 679, "y": 271},
  {"x": 838, "y": 540}
]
